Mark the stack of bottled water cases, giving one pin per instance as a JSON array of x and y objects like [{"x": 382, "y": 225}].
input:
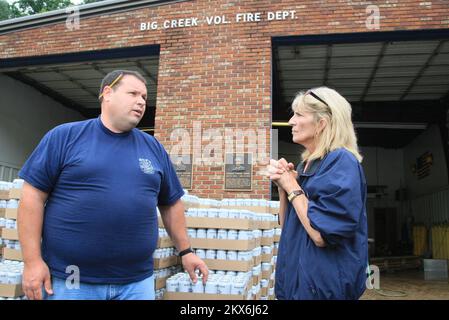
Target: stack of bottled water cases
[
  {"x": 209, "y": 208},
  {"x": 164, "y": 273},
  {"x": 9, "y": 224},
  {"x": 220, "y": 283},
  {"x": 6, "y": 186},
  {"x": 10, "y": 270},
  {"x": 10, "y": 275}
]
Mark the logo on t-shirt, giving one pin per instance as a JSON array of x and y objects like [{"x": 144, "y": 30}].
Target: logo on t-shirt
[{"x": 146, "y": 166}]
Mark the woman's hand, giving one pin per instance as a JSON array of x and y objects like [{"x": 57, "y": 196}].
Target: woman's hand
[{"x": 282, "y": 173}]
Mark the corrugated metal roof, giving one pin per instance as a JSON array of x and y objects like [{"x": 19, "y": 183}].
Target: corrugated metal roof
[
  {"x": 374, "y": 71},
  {"x": 80, "y": 82}
]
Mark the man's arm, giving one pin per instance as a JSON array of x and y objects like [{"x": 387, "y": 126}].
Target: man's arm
[
  {"x": 175, "y": 224},
  {"x": 30, "y": 219}
]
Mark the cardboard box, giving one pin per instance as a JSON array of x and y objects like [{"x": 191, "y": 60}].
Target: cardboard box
[
  {"x": 208, "y": 206},
  {"x": 4, "y": 195},
  {"x": 256, "y": 279},
  {"x": 266, "y": 225},
  {"x": 164, "y": 242},
  {"x": 166, "y": 262},
  {"x": 266, "y": 241},
  {"x": 223, "y": 244},
  {"x": 15, "y": 193},
  {"x": 205, "y": 296},
  {"x": 276, "y": 238},
  {"x": 266, "y": 274},
  {"x": 220, "y": 223},
  {"x": 249, "y": 208},
  {"x": 264, "y": 292},
  {"x": 11, "y": 213},
  {"x": 228, "y": 265},
  {"x": 2, "y": 212},
  {"x": 202, "y": 296},
  {"x": 258, "y": 295},
  {"x": 11, "y": 290},
  {"x": 258, "y": 242},
  {"x": 216, "y": 223},
  {"x": 12, "y": 254},
  {"x": 257, "y": 260},
  {"x": 189, "y": 205},
  {"x": 159, "y": 283},
  {"x": 266, "y": 257},
  {"x": 436, "y": 269},
  {"x": 275, "y": 251},
  {"x": 10, "y": 234}
]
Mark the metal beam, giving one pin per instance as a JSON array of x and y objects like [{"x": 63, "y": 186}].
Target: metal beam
[
  {"x": 97, "y": 68},
  {"x": 277, "y": 97},
  {"x": 328, "y": 63},
  {"x": 68, "y": 103},
  {"x": 149, "y": 75},
  {"x": 374, "y": 72},
  {"x": 75, "y": 82},
  {"x": 435, "y": 52}
]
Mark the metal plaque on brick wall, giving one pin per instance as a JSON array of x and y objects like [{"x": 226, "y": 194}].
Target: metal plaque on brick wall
[
  {"x": 184, "y": 169},
  {"x": 238, "y": 171}
]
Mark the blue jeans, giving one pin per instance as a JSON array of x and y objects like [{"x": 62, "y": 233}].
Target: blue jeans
[{"x": 140, "y": 290}]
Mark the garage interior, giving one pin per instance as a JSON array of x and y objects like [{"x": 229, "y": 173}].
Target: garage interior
[
  {"x": 74, "y": 80},
  {"x": 398, "y": 86}
]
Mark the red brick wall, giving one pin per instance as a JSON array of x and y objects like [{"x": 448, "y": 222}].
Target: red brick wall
[{"x": 219, "y": 75}]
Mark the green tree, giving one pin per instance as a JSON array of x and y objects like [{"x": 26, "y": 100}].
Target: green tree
[
  {"x": 27, "y": 7},
  {"x": 5, "y": 11},
  {"x": 91, "y": 1}
]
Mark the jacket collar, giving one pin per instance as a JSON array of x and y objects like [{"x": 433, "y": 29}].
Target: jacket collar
[{"x": 311, "y": 170}]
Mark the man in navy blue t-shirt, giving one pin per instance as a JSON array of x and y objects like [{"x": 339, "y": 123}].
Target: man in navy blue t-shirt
[{"x": 87, "y": 219}]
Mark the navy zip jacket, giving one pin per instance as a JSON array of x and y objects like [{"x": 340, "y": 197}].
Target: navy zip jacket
[{"x": 336, "y": 189}]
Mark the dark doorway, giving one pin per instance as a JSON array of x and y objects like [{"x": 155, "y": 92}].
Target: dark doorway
[{"x": 385, "y": 223}]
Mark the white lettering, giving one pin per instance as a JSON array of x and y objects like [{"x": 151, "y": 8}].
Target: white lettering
[
  {"x": 248, "y": 17},
  {"x": 373, "y": 20},
  {"x": 73, "y": 280},
  {"x": 281, "y": 15},
  {"x": 143, "y": 26},
  {"x": 166, "y": 24},
  {"x": 216, "y": 20}
]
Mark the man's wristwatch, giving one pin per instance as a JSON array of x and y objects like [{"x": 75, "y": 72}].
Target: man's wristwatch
[
  {"x": 295, "y": 193},
  {"x": 186, "y": 251}
]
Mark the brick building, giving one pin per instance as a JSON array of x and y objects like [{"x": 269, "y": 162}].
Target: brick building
[{"x": 236, "y": 65}]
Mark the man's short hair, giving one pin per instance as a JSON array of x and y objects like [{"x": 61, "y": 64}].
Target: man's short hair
[{"x": 113, "y": 79}]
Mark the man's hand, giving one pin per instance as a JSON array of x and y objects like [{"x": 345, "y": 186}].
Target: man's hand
[
  {"x": 192, "y": 262},
  {"x": 35, "y": 275}
]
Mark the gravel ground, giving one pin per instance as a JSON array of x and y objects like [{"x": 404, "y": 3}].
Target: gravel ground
[{"x": 410, "y": 285}]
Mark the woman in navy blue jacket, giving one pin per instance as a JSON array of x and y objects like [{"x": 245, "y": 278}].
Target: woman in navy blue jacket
[{"x": 323, "y": 251}]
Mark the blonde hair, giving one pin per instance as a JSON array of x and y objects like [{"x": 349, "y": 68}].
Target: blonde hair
[{"x": 339, "y": 130}]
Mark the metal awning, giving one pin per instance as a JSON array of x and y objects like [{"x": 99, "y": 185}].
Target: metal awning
[
  {"x": 80, "y": 82},
  {"x": 74, "y": 79},
  {"x": 374, "y": 71},
  {"x": 388, "y": 77}
]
